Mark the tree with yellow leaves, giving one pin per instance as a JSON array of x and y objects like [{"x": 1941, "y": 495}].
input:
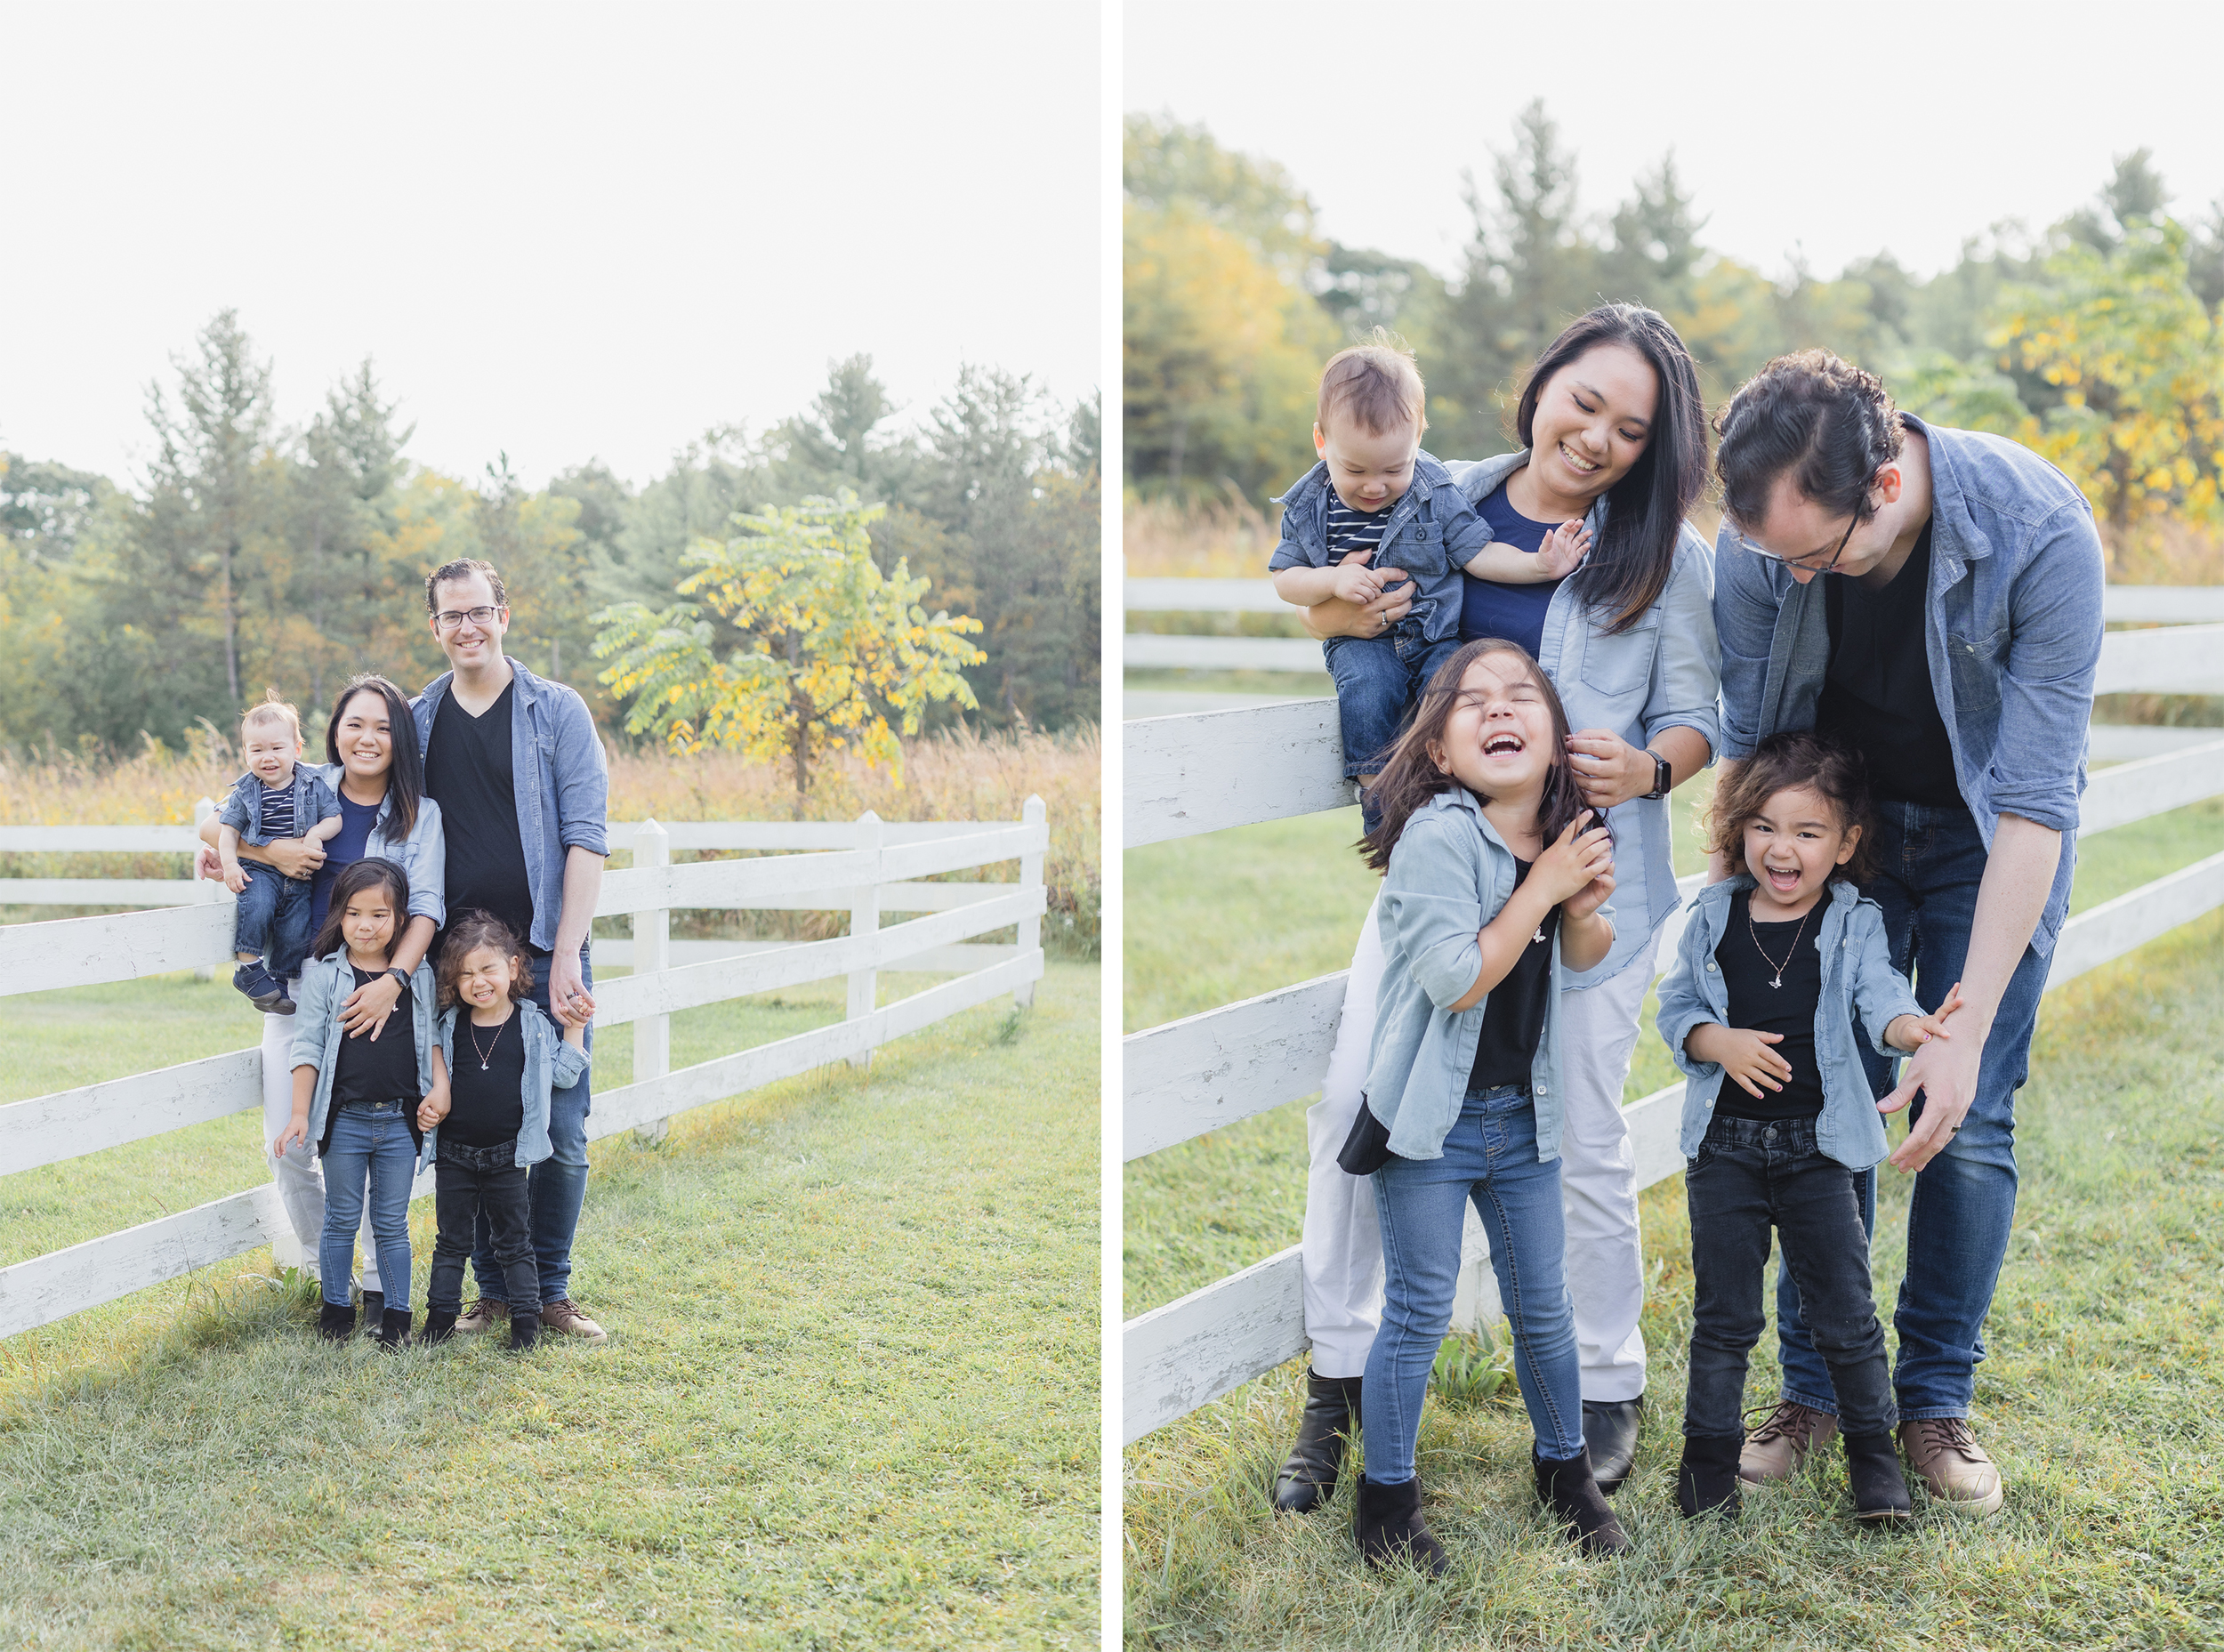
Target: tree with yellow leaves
[{"x": 832, "y": 655}]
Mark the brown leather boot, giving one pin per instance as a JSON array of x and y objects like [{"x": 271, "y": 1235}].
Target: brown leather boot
[
  {"x": 1789, "y": 1435},
  {"x": 1958, "y": 1472}
]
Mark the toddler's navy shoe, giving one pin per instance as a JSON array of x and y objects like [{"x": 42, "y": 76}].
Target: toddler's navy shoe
[{"x": 263, "y": 989}]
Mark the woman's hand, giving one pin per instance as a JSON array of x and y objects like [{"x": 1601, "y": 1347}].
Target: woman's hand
[
  {"x": 294, "y": 858},
  {"x": 1338, "y": 618},
  {"x": 1576, "y": 860},
  {"x": 1746, "y": 1055},
  {"x": 295, "y": 1133},
  {"x": 366, "y": 1009},
  {"x": 1609, "y": 770}
]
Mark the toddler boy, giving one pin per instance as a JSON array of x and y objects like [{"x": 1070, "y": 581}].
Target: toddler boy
[
  {"x": 1374, "y": 510},
  {"x": 277, "y": 797}
]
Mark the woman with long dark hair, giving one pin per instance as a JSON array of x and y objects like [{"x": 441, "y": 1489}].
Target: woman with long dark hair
[
  {"x": 1613, "y": 436},
  {"x": 373, "y": 762}
]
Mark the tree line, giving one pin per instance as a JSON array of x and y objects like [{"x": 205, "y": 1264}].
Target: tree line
[
  {"x": 249, "y": 554},
  {"x": 2096, "y": 339}
]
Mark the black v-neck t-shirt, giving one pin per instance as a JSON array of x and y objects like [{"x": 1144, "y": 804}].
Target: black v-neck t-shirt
[
  {"x": 469, "y": 772},
  {"x": 1747, "y": 971},
  {"x": 1877, "y": 696},
  {"x": 1513, "y": 1011},
  {"x": 489, "y": 1100}
]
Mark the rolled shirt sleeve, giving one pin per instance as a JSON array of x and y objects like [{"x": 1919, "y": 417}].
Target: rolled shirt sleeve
[
  {"x": 1428, "y": 902},
  {"x": 2053, "y": 655},
  {"x": 1687, "y": 669}
]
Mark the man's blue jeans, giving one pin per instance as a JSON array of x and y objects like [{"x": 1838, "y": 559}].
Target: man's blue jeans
[
  {"x": 371, "y": 1145},
  {"x": 557, "y": 1186},
  {"x": 1932, "y": 861},
  {"x": 1490, "y": 1157}
]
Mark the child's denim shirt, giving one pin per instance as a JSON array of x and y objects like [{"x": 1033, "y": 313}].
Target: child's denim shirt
[
  {"x": 327, "y": 984},
  {"x": 549, "y": 1064},
  {"x": 1858, "y": 974},
  {"x": 2013, "y": 633},
  {"x": 1432, "y": 534},
  {"x": 313, "y": 801},
  {"x": 1449, "y": 875},
  {"x": 1664, "y": 672}
]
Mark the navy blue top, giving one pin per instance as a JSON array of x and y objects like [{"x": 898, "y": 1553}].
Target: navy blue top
[
  {"x": 343, "y": 848},
  {"x": 1514, "y": 612}
]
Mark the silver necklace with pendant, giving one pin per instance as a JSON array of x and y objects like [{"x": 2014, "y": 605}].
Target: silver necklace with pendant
[
  {"x": 488, "y": 1054},
  {"x": 1757, "y": 947}
]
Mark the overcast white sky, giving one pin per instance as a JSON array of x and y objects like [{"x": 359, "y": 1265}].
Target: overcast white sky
[
  {"x": 1837, "y": 129},
  {"x": 565, "y": 230}
]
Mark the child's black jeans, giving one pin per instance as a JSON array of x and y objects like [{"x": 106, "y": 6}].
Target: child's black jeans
[
  {"x": 467, "y": 1181},
  {"x": 1752, "y": 1175}
]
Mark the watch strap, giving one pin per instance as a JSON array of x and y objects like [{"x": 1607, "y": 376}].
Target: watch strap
[
  {"x": 398, "y": 973},
  {"x": 1662, "y": 775}
]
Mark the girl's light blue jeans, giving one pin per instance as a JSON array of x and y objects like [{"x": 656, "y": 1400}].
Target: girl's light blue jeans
[
  {"x": 371, "y": 1147},
  {"x": 1489, "y": 1158}
]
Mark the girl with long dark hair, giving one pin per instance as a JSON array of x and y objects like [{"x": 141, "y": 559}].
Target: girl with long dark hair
[
  {"x": 1612, "y": 441},
  {"x": 1493, "y": 878}
]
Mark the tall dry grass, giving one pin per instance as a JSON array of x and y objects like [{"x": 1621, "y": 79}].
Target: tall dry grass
[
  {"x": 957, "y": 775},
  {"x": 1226, "y": 537}
]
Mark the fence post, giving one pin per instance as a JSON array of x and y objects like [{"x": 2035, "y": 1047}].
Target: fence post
[
  {"x": 205, "y": 892},
  {"x": 865, "y": 919},
  {"x": 652, "y": 955},
  {"x": 1030, "y": 877}
]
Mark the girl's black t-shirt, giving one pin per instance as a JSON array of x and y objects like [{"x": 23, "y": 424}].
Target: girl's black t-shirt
[
  {"x": 1513, "y": 1011},
  {"x": 486, "y": 1083},
  {"x": 383, "y": 1068},
  {"x": 1748, "y": 971}
]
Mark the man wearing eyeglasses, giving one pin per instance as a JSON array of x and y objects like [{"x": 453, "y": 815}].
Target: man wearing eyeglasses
[
  {"x": 1932, "y": 598},
  {"x": 517, "y": 768}
]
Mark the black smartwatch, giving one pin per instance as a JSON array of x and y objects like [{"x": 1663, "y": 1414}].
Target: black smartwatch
[
  {"x": 401, "y": 975},
  {"x": 1662, "y": 775}
]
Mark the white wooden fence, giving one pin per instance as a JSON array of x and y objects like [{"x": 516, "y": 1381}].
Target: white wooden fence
[
  {"x": 868, "y": 868},
  {"x": 1206, "y": 771}
]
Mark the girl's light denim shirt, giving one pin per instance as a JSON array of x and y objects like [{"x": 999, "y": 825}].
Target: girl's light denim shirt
[
  {"x": 2012, "y": 632},
  {"x": 549, "y": 1064},
  {"x": 326, "y": 985},
  {"x": 1664, "y": 672},
  {"x": 1857, "y": 976},
  {"x": 421, "y": 855},
  {"x": 1433, "y": 532},
  {"x": 1449, "y": 875}
]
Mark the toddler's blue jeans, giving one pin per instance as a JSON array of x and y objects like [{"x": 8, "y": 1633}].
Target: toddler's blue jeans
[
  {"x": 273, "y": 919},
  {"x": 1489, "y": 1158},
  {"x": 1379, "y": 681}
]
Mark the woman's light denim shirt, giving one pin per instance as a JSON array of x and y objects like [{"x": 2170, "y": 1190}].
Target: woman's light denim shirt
[
  {"x": 422, "y": 854},
  {"x": 550, "y": 1063},
  {"x": 1857, "y": 976},
  {"x": 1664, "y": 672},
  {"x": 326, "y": 985},
  {"x": 1449, "y": 875},
  {"x": 2012, "y": 631}
]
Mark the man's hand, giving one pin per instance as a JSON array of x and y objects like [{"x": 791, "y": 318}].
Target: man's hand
[
  {"x": 366, "y": 1009},
  {"x": 568, "y": 999},
  {"x": 1746, "y": 1055},
  {"x": 1945, "y": 1071},
  {"x": 1564, "y": 549}
]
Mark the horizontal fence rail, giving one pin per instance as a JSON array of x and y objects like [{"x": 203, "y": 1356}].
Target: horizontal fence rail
[
  {"x": 830, "y": 871},
  {"x": 1203, "y": 772}
]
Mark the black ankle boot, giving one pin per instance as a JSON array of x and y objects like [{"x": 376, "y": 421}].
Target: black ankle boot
[
  {"x": 1610, "y": 1435},
  {"x": 335, "y": 1323},
  {"x": 1880, "y": 1488},
  {"x": 1572, "y": 1494},
  {"x": 439, "y": 1326},
  {"x": 393, "y": 1329},
  {"x": 1706, "y": 1479},
  {"x": 1330, "y": 1420},
  {"x": 1390, "y": 1528},
  {"x": 525, "y": 1330}
]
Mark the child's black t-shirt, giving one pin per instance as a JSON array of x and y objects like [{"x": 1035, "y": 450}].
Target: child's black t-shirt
[
  {"x": 486, "y": 1083},
  {"x": 379, "y": 1069},
  {"x": 1748, "y": 971},
  {"x": 1513, "y": 1011}
]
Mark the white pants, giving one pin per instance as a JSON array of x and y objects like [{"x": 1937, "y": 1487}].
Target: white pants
[
  {"x": 1343, "y": 1247},
  {"x": 301, "y": 1180}
]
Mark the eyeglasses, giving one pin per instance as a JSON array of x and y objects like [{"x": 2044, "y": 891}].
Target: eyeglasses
[
  {"x": 481, "y": 617},
  {"x": 1806, "y": 564}
]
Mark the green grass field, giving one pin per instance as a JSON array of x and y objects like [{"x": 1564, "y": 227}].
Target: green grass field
[
  {"x": 2102, "y": 1340},
  {"x": 850, "y": 1398}
]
